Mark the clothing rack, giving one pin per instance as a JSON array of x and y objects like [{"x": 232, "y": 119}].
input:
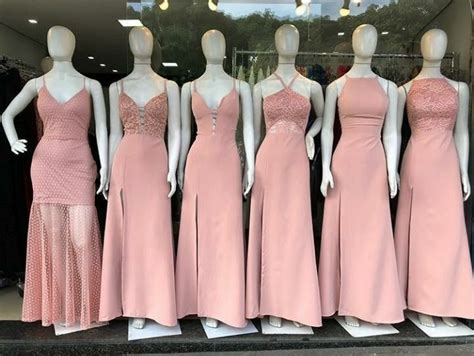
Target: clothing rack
[{"x": 27, "y": 71}]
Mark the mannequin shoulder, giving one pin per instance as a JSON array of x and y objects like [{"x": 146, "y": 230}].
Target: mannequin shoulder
[
  {"x": 114, "y": 87},
  {"x": 33, "y": 85},
  {"x": 172, "y": 86},
  {"x": 243, "y": 86},
  {"x": 461, "y": 87},
  {"x": 93, "y": 85},
  {"x": 186, "y": 88},
  {"x": 335, "y": 86},
  {"x": 314, "y": 85},
  {"x": 405, "y": 88},
  {"x": 257, "y": 88}
]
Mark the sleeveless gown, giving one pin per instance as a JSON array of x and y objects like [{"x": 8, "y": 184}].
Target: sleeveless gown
[
  {"x": 63, "y": 255},
  {"x": 430, "y": 233},
  {"x": 138, "y": 263},
  {"x": 210, "y": 279},
  {"x": 357, "y": 269},
  {"x": 282, "y": 280}
]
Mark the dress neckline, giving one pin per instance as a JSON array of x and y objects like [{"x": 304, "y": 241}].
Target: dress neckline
[
  {"x": 59, "y": 102},
  {"x": 233, "y": 90},
  {"x": 147, "y": 102}
]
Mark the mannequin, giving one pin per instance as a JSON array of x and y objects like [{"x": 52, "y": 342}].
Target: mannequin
[
  {"x": 47, "y": 64},
  {"x": 212, "y": 88},
  {"x": 142, "y": 86},
  {"x": 287, "y": 44},
  {"x": 364, "y": 41},
  {"x": 433, "y": 48}
]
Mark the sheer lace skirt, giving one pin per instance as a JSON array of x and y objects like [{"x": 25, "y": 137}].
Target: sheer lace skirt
[{"x": 63, "y": 265}]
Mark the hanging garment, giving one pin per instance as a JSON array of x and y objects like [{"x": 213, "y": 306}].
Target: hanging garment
[
  {"x": 210, "y": 280},
  {"x": 357, "y": 269},
  {"x": 63, "y": 255},
  {"x": 282, "y": 280},
  {"x": 430, "y": 233},
  {"x": 138, "y": 263}
]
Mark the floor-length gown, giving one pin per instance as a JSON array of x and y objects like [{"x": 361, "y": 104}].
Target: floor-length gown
[
  {"x": 63, "y": 255},
  {"x": 138, "y": 263},
  {"x": 282, "y": 280},
  {"x": 430, "y": 233},
  {"x": 210, "y": 279},
  {"x": 357, "y": 269}
]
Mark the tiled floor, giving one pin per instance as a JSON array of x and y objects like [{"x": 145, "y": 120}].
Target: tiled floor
[{"x": 10, "y": 304}]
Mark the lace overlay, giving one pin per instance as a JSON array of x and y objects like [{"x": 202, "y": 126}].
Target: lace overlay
[{"x": 432, "y": 103}]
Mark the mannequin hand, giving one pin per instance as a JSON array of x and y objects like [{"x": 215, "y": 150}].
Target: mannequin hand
[
  {"x": 309, "y": 146},
  {"x": 172, "y": 181},
  {"x": 392, "y": 182},
  {"x": 248, "y": 182},
  {"x": 105, "y": 193},
  {"x": 103, "y": 180},
  {"x": 466, "y": 186},
  {"x": 327, "y": 180},
  {"x": 19, "y": 146},
  {"x": 181, "y": 179}
]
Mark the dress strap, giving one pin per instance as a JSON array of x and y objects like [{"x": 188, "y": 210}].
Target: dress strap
[
  {"x": 405, "y": 90},
  {"x": 166, "y": 85},
  {"x": 293, "y": 80},
  {"x": 233, "y": 83},
  {"x": 193, "y": 86},
  {"x": 280, "y": 79}
]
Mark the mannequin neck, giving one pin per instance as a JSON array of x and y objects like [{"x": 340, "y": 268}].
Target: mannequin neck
[
  {"x": 286, "y": 66},
  {"x": 214, "y": 71},
  {"x": 431, "y": 69},
  {"x": 63, "y": 66},
  {"x": 361, "y": 67},
  {"x": 142, "y": 67}
]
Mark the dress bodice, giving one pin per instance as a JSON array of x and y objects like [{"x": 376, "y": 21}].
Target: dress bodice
[
  {"x": 432, "y": 103},
  {"x": 286, "y": 110},
  {"x": 69, "y": 120},
  {"x": 220, "y": 120},
  {"x": 150, "y": 119}
]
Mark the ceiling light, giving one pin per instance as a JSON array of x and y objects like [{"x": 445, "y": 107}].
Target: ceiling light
[
  {"x": 344, "y": 10},
  {"x": 213, "y": 4},
  {"x": 300, "y": 8},
  {"x": 114, "y": 70},
  {"x": 33, "y": 21},
  {"x": 170, "y": 64},
  {"x": 164, "y": 5},
  {"x": 340, "y": 33},
  {"x": 102, "y": 65},
  {"x": 90, "y": 57},
  {"x": 384, "y": 32},
  {"x": 130, "y": 23}
]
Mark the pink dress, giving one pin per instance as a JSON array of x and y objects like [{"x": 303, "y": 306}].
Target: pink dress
[
  {"x": 357, "y": 269},
  {"x": 138, "y": 263},
  {"x": 282, "y": 280},
  {"x": 210, "y": 280},
  {"x": 63, "y": 255},
  {"x": 430, "y": 233}
]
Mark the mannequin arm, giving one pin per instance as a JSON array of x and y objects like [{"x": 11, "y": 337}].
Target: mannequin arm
[
  {"x": 461, "y": 137},
  {"x": 174, "y": 134},
  {"x": 18, "y": 104},
  {"x": 327, "y": 136},
  {"x": 249, "y": 140},
  {"x": 257, "y": 114},
  {"x": 401, "y": 101},
  {"x": 317, "y": 99},
  {"x": 100, "y": 130},
  {"x": 391, "y": 137},
  {"x": 185, "y": 130},
  {"x": 116, "y": 129}
]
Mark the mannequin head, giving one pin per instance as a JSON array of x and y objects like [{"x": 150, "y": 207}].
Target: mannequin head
[
  {"x": 140, "y": 40},
  {"x": 213, "y": 46},
  {"x": 364, "y": 41},
  {"x": 61, "y": 43},
  {"x": 433, "y": 44},
  {"x": 287, "y": 40},
  {"x": 46, "y": 64}
]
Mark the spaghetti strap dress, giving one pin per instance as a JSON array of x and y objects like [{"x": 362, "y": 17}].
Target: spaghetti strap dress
[
  {"x": 210, "y": 279},
  {"x": 430, "y": 233},
  {"x": 138, "y": 263},
  {"x": 357, "y": 268},
  {"x": 62, "y": 281},
  {"x": 282, "y": 280}
]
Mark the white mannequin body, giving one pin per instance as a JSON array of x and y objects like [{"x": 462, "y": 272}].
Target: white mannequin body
[
  {"x": 213, "y": 85},
  {"x": 63, "y": 81},
  {"x": 433, "y": 49},
  {"x": 141, "y": 85},
  {"x": 364, "y": 42},
  {"x": 287, "y": 43}
]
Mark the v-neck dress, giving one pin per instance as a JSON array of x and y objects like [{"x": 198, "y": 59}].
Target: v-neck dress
[
  {"x": 210, "y": 280},
  {"x": 62, "y": 281},
  {"x": 138, "y": 263}
]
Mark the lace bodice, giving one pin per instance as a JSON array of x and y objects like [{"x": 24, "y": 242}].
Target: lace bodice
[
  {"x": 286, "y": 111},
  {"x": 150, "y": 119},
  {"x": 432, "y": 103}
]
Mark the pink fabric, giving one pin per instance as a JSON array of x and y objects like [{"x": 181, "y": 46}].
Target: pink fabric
[
  {"x": 138, "y": 264},
  {"x": 431, "y": 241},
  {"x": 282, "y": 279},
  {"x": 357, "y": 269},
  {"x": 210, "y": 280},
  {"x": 63, "y": 256}
]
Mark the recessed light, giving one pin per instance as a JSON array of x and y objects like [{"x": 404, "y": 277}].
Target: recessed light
[
  {"x": 340, "y": 33},
  {"x": 90, "y": 57},
  {"x": 33, "y": 21},
  {"x": 384, "y": 32},
  {"x": 130, "y": 23},
  {"x": 115, "y": 70},
  {"x": 170, "y": 64},
  {"x": 102, "y": 65}
]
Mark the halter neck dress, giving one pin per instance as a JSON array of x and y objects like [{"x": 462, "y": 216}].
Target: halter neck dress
[
  {"x": 357, "y": 269},
  {"x": 430, "y": 233},
  {"x": 282, "y": 280},
  {"x": 62, "y": 281},
  {"x": 210, "y": 279},
  {"x": 138, "y": 263}
]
